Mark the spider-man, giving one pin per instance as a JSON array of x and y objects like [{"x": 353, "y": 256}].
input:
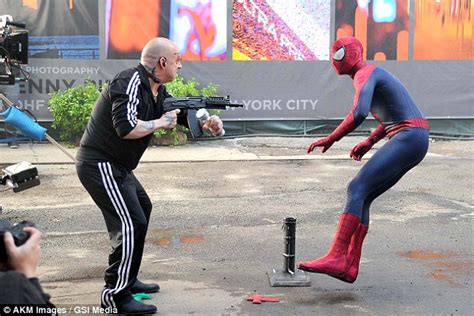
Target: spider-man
[{"x": 380, "y": 93}]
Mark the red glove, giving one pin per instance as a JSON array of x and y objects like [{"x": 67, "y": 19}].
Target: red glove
[
  {"x": 325, "y": 142},
  {"x": 361, "y": 149},
  {"x": 344, "y": 128}
]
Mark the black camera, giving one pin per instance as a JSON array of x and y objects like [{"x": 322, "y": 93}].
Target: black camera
[
  {"x": 13, "y": 49},
  {"x": 13, "y": 43},
  {"x": 19, "y": 236},
  {"x": 15, "y": 46}
]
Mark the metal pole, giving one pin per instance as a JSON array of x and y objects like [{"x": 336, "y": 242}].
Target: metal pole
[
  {"x": 5, "y": 99},
  {"x": 55, "y": 143},
  {"x": 288, "y": 276},
  {"x": 289, "y": 254}
]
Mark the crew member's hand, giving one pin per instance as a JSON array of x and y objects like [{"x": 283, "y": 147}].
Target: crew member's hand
[
  {"x": 169, "y": 119},
  {"x": 325, "y": 143},
  {"x": 214, "y": 125},
  {"x": 361, "y": 149},
  {"x": 25, "y": 258}
]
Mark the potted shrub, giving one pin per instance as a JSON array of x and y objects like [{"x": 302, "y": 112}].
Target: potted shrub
[{"x": 71, "y": 110}]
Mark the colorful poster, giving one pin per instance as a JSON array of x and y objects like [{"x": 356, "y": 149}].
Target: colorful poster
[
  {"x": 281, "y": 30},
  {"x": 443, "y": 30},
  {"x": 129, "y": 25},
  {"x": 199, "y": 28},
  {"x": 381, "y": 25},
  {"x": 73, "y": 33}
]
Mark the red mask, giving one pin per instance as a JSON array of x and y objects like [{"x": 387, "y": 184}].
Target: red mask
[{"x": 346, "y": 56}]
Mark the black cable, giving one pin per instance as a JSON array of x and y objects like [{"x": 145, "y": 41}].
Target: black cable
[
  {"x": 25, "y": 73},
  {"x": 7, "y": 52}
]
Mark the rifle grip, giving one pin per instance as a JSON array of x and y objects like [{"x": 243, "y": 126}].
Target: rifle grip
[{"x": 193, "y": 124}]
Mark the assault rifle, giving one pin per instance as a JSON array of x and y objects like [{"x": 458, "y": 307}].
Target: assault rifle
[
  {"x": 191, "y": 105},
  {"x": 196, "y": 103}
]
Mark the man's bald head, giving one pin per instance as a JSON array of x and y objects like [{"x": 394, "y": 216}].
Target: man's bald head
[{"x": 154, "y": 49}]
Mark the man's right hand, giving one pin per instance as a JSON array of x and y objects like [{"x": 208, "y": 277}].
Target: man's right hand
[
  {"x": 25, "y": 258},
  {"x": 325, "y": 142},
  {"x": 169, "y": 119}
]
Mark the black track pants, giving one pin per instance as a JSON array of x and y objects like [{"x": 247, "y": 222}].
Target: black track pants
[{"x": 126, "y": 209}]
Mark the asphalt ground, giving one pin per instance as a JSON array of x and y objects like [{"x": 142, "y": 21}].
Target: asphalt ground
[{"x": 215, "y": 230}]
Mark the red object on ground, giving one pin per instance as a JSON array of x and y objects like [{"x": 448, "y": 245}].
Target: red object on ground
[{"x": 259, "y": 299}]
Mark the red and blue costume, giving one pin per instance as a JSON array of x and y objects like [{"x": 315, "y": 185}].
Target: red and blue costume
[{"x": 380, "y": 93}]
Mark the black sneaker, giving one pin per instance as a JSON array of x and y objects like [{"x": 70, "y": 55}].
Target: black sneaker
[
  {"x": 136, "y": 308},
  {"x": 139, "y": 287},
  {"x": 13, "y": 145}
]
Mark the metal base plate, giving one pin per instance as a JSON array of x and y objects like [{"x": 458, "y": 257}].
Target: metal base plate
[{"x": 279, "y": 278}]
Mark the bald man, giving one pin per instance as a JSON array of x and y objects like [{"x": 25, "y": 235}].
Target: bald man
[{"x": 121, "y": 126}]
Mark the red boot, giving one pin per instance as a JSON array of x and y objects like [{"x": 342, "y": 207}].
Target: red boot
[
  {"x": 336, "y": 262},
  {"x": 355, "y": 253}
]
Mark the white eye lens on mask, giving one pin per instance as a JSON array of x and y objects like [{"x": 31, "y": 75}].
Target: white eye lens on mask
[{"x": 339, "y": 54}]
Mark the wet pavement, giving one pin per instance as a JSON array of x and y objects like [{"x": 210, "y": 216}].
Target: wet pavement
[{"x": 215, "y": 230}]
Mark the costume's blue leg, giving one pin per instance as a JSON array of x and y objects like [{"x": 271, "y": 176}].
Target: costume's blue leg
[{"x": 388, "y": 165}]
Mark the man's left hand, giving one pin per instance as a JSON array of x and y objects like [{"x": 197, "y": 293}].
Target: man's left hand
[
  {"x": 214, "y": 125},
  {"x": 361, "y": 149},
  {"x": 24, "y": 258}
]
